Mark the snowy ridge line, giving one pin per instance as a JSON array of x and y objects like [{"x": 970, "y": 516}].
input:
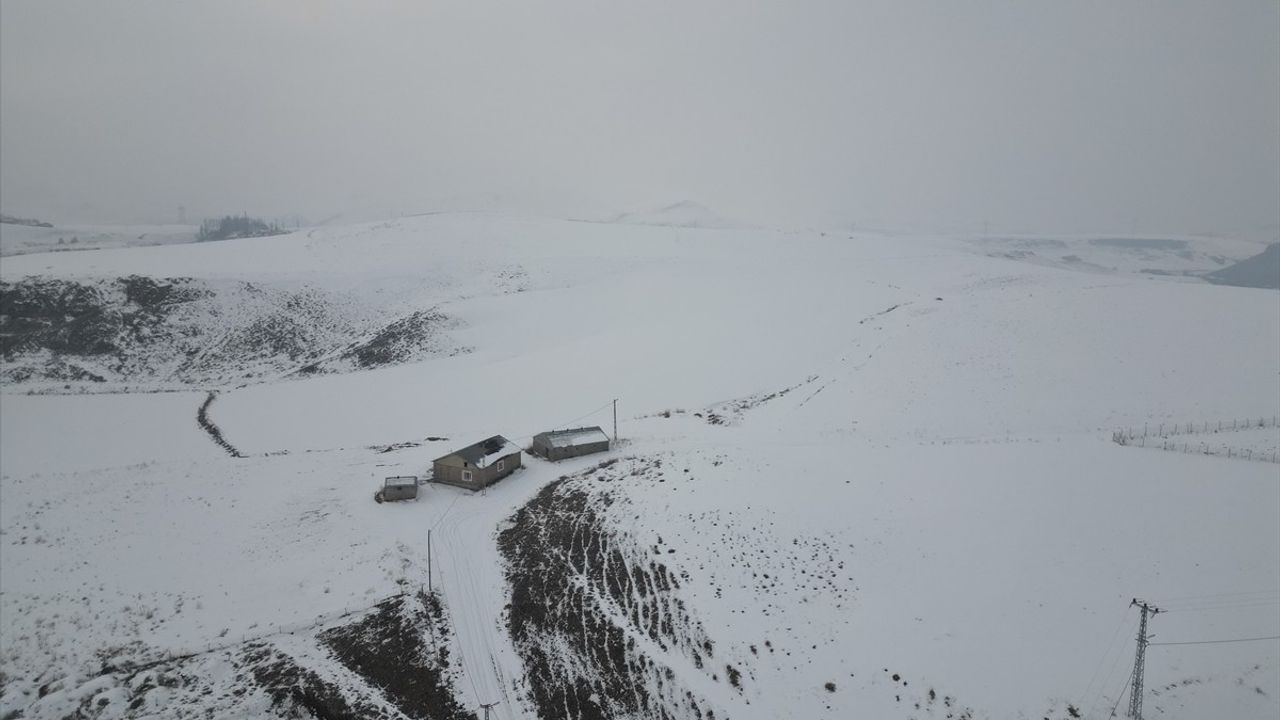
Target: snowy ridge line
[
  {"x": 202, "y": 419},
  {"x": 170, "y": 656}
]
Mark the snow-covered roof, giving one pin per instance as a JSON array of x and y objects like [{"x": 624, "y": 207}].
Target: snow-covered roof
[
  {"x": 576, "y": 436},
  {"x": 481, "y": 453}
]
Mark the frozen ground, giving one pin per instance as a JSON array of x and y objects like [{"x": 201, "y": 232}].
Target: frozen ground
[
  {"x": 1186, "y": 257},
  {"x": 25, "y": 239},
  {"x": 861, "y": 458}
]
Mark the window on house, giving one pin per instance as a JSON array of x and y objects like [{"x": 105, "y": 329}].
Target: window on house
[
  {"x": 466, "y": 476},
  {"x": 501, "y": 464}
]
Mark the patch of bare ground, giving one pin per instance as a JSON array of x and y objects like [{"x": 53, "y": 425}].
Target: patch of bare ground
[
  {"x": 598, "y": 621},
  {"x": 402, "y": 649}
]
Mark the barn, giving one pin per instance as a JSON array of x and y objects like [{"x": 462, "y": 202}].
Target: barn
[
  {"x": 478, "y": 466},
  {"x": 560, "y": 444}
]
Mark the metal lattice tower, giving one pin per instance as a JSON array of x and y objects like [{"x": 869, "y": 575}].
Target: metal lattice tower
[{"x": 1140, "y": 660}]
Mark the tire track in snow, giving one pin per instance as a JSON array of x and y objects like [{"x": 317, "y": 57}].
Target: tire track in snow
[{"x": 475, "y": 627}]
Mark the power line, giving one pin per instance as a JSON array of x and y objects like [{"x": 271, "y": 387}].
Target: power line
[
  {"x": 517, "y": 438},
  {"x": 1088, "y": 690},
  {"x": 1213, "y": 597},
  {"x": 1218, "y": 642},
  {"x": 583, "y": 417},
  {"x": 1103, "y": 680},
  {"x": 529, "y": 436},
  {"x": 1196, "y": 607},
  {"x": 1121, "y": 694},
  {"x": 446, "y": 511}
]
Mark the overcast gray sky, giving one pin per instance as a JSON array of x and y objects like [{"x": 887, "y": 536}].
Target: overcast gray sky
[{"x": 1072, "y": 116}]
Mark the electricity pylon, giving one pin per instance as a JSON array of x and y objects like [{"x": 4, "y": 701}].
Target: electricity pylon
[{"x": 1140, "y": 660}]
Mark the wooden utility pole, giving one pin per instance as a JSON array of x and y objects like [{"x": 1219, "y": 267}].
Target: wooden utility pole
[{"x": 615, "y": 421}]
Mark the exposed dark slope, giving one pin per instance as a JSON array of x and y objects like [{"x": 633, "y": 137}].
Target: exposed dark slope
[
  {"x": 599, "y": 621},
  {"x": 402, "y": 650},
  {"x": 1260, "y": 271},
  {"x": 150, "y": 333},
  {"x": 389, "y": 664}
]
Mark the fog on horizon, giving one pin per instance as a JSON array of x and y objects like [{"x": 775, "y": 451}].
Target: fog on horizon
[{"x": 1147, "y": 117}]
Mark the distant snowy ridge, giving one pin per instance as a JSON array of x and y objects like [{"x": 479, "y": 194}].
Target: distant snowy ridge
[
  {"x": 11, "y": 220},
  {"x": 1184, "y": 257},
  {"x": 687, "y": 214},
  {"x": 31, "y": 236}
]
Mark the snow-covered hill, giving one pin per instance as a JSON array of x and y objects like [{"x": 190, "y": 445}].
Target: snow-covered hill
[
  {"x": 867, "y": 476},
  {"x": 1260, "y": 271},
  {"x": 142, "y": 333},
  {"x": 686, "y": 214},
  {"x": 1188, "y": 257}
]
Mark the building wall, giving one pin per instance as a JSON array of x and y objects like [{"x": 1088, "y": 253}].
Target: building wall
[
  {"x": 448, "y": 470},
  {"x": 399, "y": 492},
  {"x": 553, "y": 453}
]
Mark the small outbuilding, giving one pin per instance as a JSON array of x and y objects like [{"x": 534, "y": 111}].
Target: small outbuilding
[
  {"x": 400, "y": 487},
  {"x": 478, "y": 466},
  {"x": 560, "y": 444}
]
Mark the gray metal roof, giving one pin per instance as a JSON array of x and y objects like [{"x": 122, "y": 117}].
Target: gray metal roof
[
  {"x": 574, "y": 436},
  {"x": 478, "y": 453}
]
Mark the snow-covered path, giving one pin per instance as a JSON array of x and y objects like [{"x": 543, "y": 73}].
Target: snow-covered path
[{"x": 474, "y": 590}]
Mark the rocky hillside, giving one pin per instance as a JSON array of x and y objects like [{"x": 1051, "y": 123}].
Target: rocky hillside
[
  {"x": 154, "y": 333},
  {"x": 390, "y": 662}
]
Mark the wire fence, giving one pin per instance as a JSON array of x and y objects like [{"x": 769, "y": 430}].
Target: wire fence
[{"x": 1198, "y": 438}]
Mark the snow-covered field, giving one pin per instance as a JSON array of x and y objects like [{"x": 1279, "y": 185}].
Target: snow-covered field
[
  {"x": 24, "y": 239},
  {"x": 882, "y": 468}
]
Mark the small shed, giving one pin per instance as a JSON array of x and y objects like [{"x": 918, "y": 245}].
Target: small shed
[
  {"x": 560, "y": 444},
  {"x": 400, "y": 487},
  {"x": 478, "y": 466}
]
